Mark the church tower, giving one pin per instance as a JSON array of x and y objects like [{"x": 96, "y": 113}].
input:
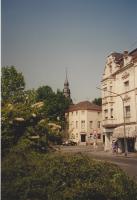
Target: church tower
[{"x": 66, "y": 90}]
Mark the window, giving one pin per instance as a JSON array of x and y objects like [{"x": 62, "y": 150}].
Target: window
[
  {"x": 110, "y": 88},
  {"x": 71, "y": 113},
  {"x": 90, "y": 124},
  {"x": 83, "y": 112},
  {"x": 126, "y": 86},
  {"x": 76, "y": 112},
  {"x": 82, "y": 124},
  {"x": 76, "y": 124},
  {"x": 111, "y": 113},
  {"x": 106, "y": 113},
  {"x": 72, "y": 124},
  {"x": 105, "y": 91},
  {"x": 98, "y": 124},
  {"x": 127, "y": 111}
]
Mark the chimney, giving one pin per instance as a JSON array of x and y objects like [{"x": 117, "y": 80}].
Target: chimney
[{"x": 125, "y": 54}]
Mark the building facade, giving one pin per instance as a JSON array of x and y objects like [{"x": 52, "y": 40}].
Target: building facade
[
  {"x": 84, "y": 121},
  {"x": 119, "y": 100}
]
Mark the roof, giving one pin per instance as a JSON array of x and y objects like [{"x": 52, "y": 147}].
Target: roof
[
  {"x": 133, "y": 51},
  {"x": 119, "y": 56},
  {"x": 66, "y": 82},
  {"x": 133, "y": 54},
  {"x": 84, "y": 105}
]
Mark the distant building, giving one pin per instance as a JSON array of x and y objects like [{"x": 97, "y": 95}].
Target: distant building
[
  {"x": 120, "y": 77},
  {"x": 84, "y": 120},
  {"x": 66, "y": 90}
]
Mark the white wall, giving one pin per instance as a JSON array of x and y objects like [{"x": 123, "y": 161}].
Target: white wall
[{"x": 87, "y": 116}]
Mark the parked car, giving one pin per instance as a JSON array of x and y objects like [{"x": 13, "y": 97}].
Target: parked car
[{"x": 69, "y": 143}]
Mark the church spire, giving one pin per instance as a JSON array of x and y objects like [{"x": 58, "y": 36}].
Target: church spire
[
  {"x": 66, "y": 90},
  {"x": 66, "y": 80}
]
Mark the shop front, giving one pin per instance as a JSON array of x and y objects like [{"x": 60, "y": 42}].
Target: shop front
[{"x": 130, "y": 136}]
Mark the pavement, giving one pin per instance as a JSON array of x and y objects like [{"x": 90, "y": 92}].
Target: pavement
[{"x": 97, "y": 151}]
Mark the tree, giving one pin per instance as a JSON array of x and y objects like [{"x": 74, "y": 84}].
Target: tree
[
  {"x": 15, "y": 119},
  {"x": 22, "y": 112},
  {"x": 30, "y": 96},
  {"x": 12, "y": 84},
  {"x": 44, "y": 92},
  {"x": 97, "y": 101},
  {"x": 55, "y": 107}
]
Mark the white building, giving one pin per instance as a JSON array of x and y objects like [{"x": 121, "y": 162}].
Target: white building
[
  {"x": 84, "y": 120},
  {"x": 120, "y": 77}
]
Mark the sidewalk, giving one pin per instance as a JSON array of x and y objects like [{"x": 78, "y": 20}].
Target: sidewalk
[
  {"x": 97, "y": 151},
  {"x": 109, "y": 153}
]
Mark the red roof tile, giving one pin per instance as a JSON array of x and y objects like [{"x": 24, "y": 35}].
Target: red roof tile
[{"x": 84, "y": 105}]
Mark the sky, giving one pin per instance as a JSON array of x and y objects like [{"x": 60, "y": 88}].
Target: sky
[{"x": 43, "y": 38}]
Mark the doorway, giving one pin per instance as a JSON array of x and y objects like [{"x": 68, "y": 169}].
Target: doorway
[{"x": 83, "y": 138}]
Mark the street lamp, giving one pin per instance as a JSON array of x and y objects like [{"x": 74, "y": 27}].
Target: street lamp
[{"x": 125, "y": 143}]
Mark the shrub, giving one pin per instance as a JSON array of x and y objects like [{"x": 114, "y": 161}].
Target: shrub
[{"x": 55, "y": 176}]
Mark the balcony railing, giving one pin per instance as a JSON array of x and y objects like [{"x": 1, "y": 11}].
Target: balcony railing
[
  {"x": 111, "y": 99},
  {"x": 108, "y": 99},
  {"x": 108, "y": 121}
]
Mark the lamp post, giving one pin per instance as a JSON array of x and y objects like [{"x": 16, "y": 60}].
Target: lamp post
[{"x": 125, "y": 143}]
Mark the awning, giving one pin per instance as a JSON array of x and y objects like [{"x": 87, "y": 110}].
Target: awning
[{"x": 130, "y": 131}]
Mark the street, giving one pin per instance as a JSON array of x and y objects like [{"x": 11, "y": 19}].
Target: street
[{"x": 128, "y": 164}]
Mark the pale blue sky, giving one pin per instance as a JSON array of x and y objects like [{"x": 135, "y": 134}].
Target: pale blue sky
[{"x": 44, "y": 37}]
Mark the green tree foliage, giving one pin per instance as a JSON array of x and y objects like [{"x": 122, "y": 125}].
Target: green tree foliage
[
  {"x": 23, "y": 111},
  {"x": 30, "y": 175},
  {"x": 97, "y": 101},
  {"x": 30, "y": 96},
  {"x": 12, "y": 84},
  {"x": 55, "y": 104},
  {"x": 55, "y": 107},
  {"x": 44, "y": 92},
  {"x": 15, "y": 119}
]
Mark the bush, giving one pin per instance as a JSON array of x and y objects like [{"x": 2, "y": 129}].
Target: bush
[{"x": 63, "y": 176}]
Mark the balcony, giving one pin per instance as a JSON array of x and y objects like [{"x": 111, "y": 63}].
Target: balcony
[
  {"x": 104, "y": 101},
  {"x": 111, "y": 99},
  {"x": 108, "y": 99},
  {"x": 109, "y": 123}
]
